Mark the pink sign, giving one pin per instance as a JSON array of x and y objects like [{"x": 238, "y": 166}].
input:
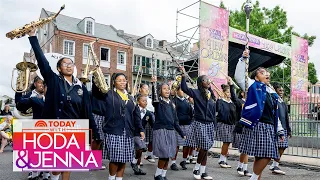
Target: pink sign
[{"x": 214, "y": 33}]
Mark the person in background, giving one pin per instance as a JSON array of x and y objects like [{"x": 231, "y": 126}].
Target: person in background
[
  {"x": 66, "y": 96},
  {"x": 284, "y": 118},
  {"x": 144, "y": 90},
  {"x": 259, "y": 116},
  {"x": 5, "y": 132},
  {"x": 139, "y": 144},
  {"x": 185, "y": 116},
  {"x": 201, "y": 132},
  {"x": 242, "y": 168},
  {"x": 6, "y": 111},
  {"x": 227, "y": 118},
  {"x": 166, "y": 121},
  {"x": 34, "y": 100}
]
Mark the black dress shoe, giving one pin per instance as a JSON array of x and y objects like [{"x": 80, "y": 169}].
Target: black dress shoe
[
  {"x": 183, "y": 165},
  {"x": 158, "y": 177},
  {"x": 140, "y": 172},
  {"x": 174, "y": 167}
]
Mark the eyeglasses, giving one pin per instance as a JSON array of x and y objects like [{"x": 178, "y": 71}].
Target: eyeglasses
[{"x": 67, "y": 64}]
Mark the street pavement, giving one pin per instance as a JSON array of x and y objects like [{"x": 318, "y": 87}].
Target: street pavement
[{"x": 213, "y": 169}]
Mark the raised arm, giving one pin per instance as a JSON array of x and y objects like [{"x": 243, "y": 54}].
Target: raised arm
[
  {"x": 43, "y": 63},
  {"x": 240, "y": 74},
  {"x": 185, "y": 88}
]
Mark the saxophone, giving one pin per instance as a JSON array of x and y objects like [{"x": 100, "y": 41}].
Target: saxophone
[
  {"x": 20, "y": 32},
  {"x": 99, "y": 79}
]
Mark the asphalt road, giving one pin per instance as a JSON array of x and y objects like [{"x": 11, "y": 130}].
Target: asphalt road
[{"x": 213, "y": 169}]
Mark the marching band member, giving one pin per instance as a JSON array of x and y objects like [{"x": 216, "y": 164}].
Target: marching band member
[
  {"x": 226, "y": 117},
  {"x": 139, "y": 144},
  {"x": 242, "y": 168},
  {"x": 185, "y": 116},
  {"x": 144, "y": 90},
  {"x": 98, "y": 112},
  {"x": 284, "y": 118},
  {"x": 34, "y": 100},
  {"x": 260, "y": 118},
  {"x": 66, "y": 97},
  {"x": 166, "y": 121},
  {"x": 121, "y": 118},
  {"x": 201, "y": 133}
]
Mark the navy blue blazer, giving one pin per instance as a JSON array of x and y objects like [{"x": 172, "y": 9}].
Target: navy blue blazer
[
  {"x": 119, "y": 115},
  {"x": 204, "y": 110},
  {"x": 23, "y": 103},
  {"x": 56, "y": 105}
]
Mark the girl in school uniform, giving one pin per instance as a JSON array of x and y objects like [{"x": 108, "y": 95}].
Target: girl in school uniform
[
  {"x": 144, "y": 90},
  {"x": 242, "y": 168},
  {"x": 260, "y": 118},
  {"x": 201, "y": 132},
  {"x": 166, "y": 121},
  {"x": 66, "y": 97},
  {"x": 35, "y": 100},
  {"x": 139, "y": 144},
  {"x": 185, "y": 116},
  {"x": 121, "y": 119},
  {"x": 227, "y": 118},
  {"x": 284, "y": 118}
]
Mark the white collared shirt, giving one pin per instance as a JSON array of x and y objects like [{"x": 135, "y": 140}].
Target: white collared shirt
[
  {"x": 35, "y": 94},
  {"x": 226, "y": 100},
  {"x": 167, "y": 101},
  {"x": 143, "y": 113},
  {"x": 75, "y": 82},
  {"x": 181, "y": 98},
  {"x": 149, "y": 105}
]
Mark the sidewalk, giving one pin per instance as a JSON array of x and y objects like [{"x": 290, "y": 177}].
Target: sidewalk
[{"x": 285, "y": 158}]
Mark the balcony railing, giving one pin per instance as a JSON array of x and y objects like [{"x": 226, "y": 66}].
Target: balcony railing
[{"x": 148, "y": 71}]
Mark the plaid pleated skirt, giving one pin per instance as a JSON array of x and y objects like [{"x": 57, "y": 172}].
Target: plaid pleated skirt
[
  {"x": 181, "y": 141},
  {"x": 139, "y": 143},
  {"x": 200, "y": 135},
  {"x": 224, "y": 132},
  {"x": 284, "y": 144},
  {"x": 118, "y": 148},
  {"x": 259, "y": 141},
  {"x": 149, "y": 134},
  {"x": 164, "y": 143},
  {"x": 236, "y": 140},
  {"x": 99, "y": 121}
]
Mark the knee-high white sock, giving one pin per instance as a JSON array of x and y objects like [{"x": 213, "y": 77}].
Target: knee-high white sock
[
  {"x": 34, "y": 174},
  {"x": 275, "y": 163},
  {"x": 164, "y": 173},
  {"x": 222, "y": 158},
  {"x": 118, "y": 178},
  {"x": 202, "y": 169},
  {"x": 240, "y": 164},
  {"x": 111, "y": 177},
  {"x": 134, "y": 161},
  {"x": 254, "y": 177},
  {"x": 245, "y": 167},
  {"x": 149, "y": 153},
  {"x": 173, "y": 162},
  {"x": 54, "y": 177},
  {"x": 196, "y": 167},
  {"x": 46, "y": 175},
  {"x": 158, "y": 172}
]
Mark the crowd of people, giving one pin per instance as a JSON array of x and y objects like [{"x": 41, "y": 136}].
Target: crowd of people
[{"x": 256, "y": 122}]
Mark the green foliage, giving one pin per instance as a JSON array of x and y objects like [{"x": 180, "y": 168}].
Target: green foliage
[{"x": 272, "y": 24}]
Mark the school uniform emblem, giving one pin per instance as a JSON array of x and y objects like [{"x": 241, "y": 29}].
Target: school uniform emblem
[
  {"x": 147, "y": 118},
  {"x": 80, "y": 92}
]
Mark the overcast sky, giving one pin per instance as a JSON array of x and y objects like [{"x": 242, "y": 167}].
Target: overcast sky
[{"x": 138, "y": 17}]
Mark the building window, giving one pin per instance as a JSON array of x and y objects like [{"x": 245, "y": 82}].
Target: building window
[
  {"x": 137, "y": 60},
  {"x": 149, "y": 42},
  {"x": 107, "y": 78},
  {"x": 121, "y": 57},
  {"x": 85, "y": 50},
  {"x": 89, "y": 27},
  {"x": 104, "y": 54},
  {"x": 68, "y": 48}
]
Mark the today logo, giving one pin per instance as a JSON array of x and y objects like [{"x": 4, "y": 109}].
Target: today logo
[{"x": 61, "y": 123}]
